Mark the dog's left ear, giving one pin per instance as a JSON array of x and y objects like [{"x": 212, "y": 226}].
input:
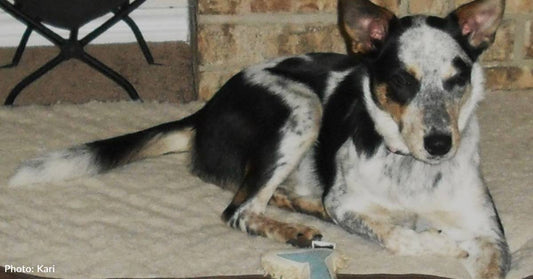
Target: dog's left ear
[
  {"x": 479, "y": 20},
  {"x": 364, "y": 25}
]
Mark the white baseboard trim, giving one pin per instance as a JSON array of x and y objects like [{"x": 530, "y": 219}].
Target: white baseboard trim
[{"x": 158, "y": 23}]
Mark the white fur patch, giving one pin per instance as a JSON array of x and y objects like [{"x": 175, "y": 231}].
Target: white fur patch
[
  {"x": 477, "y": 94},
  {"x": 431, "y": 51},
  {"x": 55, "y": 166},
  {"x": 307, "y": 182}
]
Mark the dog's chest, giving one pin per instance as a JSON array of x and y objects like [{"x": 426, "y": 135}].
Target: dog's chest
[{"x": 393, "y": 182}]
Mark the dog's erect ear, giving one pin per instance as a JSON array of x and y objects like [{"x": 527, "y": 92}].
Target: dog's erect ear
[
  {"x": 364, "y": 24},
  {"x": 479, "y": 20}
]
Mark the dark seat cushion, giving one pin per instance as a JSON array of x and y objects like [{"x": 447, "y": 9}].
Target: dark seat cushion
[{"x": 68, "y": 14}]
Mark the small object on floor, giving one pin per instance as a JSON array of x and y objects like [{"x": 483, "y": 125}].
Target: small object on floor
[
  {"x": 323, "y": 244},
  {"x": 316, "y": 263}
]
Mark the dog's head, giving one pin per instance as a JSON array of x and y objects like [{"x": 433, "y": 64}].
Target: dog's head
[{"x": 424, "y": 80}]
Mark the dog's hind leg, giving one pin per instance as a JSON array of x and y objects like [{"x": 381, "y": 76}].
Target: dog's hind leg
[
  {"x": 266, "y": 170},
  {"x": 245, "y": 211}
]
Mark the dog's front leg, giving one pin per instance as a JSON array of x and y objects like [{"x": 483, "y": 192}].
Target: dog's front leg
[
  {"x": 398, "y": 239},
  {"x": 488, "y": 258},
  {"x": 481, "y": 234}
]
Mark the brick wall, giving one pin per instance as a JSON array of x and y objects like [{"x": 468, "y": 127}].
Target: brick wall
[{"x": 234, "y": 33}]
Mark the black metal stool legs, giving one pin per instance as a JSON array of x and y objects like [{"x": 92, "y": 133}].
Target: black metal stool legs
[
  {"x": 140, "y": 40},
  {"x": 32, "y": 77},
  {"x": 71, "y": 48},
  {"x": 91, "y": 61},
  {"x": 20, "y": 49},
  {"x": 108, "y": 72},
  {"x": 74, "y": 48}
]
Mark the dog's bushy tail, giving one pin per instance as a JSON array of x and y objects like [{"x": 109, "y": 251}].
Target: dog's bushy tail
[{"x": 103, "y": 155}]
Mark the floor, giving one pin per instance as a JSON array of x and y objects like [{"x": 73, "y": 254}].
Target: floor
[{"x": 75, "y": 82}]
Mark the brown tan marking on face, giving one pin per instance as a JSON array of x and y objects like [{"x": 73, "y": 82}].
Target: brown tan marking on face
[
  {"x": 450, "y": 72},
  {"x": 414, "y": 71},
  {"x": 396, "y": 110},
  {"x": 413, "y": 131},
  {"x": 453, "y": 111}
]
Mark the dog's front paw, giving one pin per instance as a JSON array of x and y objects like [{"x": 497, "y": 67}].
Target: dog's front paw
[
  {"x": 259, "y": 224},
  {"x": 301, "y": 236},
  {"x": 488, "y": 259}
]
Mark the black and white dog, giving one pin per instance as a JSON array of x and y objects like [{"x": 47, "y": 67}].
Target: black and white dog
[{"x": 383, "y": 142}]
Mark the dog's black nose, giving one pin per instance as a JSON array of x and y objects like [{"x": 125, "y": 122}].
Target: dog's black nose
[{"x": 438, "y": 144}]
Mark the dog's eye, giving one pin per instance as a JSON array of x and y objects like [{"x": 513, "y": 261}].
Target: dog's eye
[
  {"x": 459, "y": 80},
  {"x": 462, "y": 78},
  {"x": 401, "y": 80},
  {"x": 402, "y": 87}
]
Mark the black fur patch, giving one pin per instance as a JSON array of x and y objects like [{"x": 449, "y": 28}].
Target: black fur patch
[
  {"x": 437, "y": 179},
  {"x": 112, "y": 152},
  {"x": 462, "y": 77},
  {"x": 344, "y": 117},
  {"x": 402, "y": 86},
  {"x": 312, "y": 72},
  {"x": 237, "y": 133}
]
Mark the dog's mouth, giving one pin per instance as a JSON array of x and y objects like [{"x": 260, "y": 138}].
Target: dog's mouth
[
  {"x": 397, "y": 152},
  {"x": 431, "y": 160},
  {"x": 434, "y": 160}
]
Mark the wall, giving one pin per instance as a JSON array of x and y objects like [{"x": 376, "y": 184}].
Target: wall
[{"x": 234, "y": 33}]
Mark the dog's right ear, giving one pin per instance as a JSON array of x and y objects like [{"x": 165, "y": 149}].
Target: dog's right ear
[{"x": 363, "y": 24}]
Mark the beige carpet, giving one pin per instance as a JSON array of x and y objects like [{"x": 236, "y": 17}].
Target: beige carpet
[{"x": 153, "y": 219}]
